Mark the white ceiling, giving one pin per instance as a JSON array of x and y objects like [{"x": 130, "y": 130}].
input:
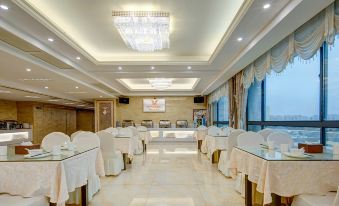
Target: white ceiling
[{"x": 203, "y": 35}]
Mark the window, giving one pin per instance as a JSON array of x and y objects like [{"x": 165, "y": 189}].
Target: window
[
  {"x": 332, "y": 77},
  {"x": 293, "y": 95},
  {"x": 303, "y": 100},
  {"x": 220, "y": 112},
  {"x": 254, "y": 102},
  {"x": 215, "y": 111}
]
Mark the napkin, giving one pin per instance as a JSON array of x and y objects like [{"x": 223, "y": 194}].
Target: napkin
[{"x": 26, "y": 144}]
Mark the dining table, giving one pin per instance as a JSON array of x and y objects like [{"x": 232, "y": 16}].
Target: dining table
[
  {"x": 279, "y": 174},
  {"x": 126, "y": 146},
  {"x": 214, "y": 145},
  {"x": 52, "y": 176}
]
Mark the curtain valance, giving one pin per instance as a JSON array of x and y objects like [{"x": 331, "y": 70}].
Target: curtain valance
[
  {"x": 304, "y": 43},
  {"x": 218, "y": 93}
]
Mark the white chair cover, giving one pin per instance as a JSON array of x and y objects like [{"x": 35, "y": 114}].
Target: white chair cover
[
  {"x": 330, "y": 199},
  {"x": 265, "y": 133},
  {"x": 213, "y": 131},
  {"x": 202, "y": 127},
  {"x": 144, "y": 134},
  {"x": 250, "y": 139},
  {"x": 84, "y": 141},
  {"x": 280, "y": 138},
  {"x": 112, "y": 130},
  {"x": 113, "y": 160},
  {"x": 133, "y": 134},
  {"x": 74, "y": 134},
  {"x": 125, "y": 132},
  {"x": 223, "y": 164},
  {"x": 54, "y": 139},
  {"x": 9, "y": 200},
  {"x": 142, "y": 129}
]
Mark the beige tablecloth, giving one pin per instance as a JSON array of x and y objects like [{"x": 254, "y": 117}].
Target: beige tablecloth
[
  {"x": 54, "y": 179},
  {"x": 215, "y": 143},
  {"x": 146, "y": 136},
  {"x": 199, "y": 134},
  {"x": 286, "y": 178}
]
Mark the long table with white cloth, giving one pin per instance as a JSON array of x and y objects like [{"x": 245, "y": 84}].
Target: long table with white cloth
[
  {"x": 278, "y": 175},
  {"x": 215, "y": 144},
  {"x": 50, "y": 176}
]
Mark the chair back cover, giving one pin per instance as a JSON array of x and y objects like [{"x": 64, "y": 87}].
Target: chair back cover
[
  {"x": 142, "y": 129},
  {"x": 75, "y": 133},
  {"x": 54, "y": 139},
  {"x": 86, "y": 140},
  {"x": 213, "y": 131},
  {"x": 280, "y": 138},
  {"x": 265, "y": 133},
  {"x": 112, "y": 130},
  {"x": 233, "y": 139},
  {"x": 106, "y": 143},
  {"x": 125, "y": 132},
  {"x": 134, "y": 130},
  {"x": 250, "y": 139}
]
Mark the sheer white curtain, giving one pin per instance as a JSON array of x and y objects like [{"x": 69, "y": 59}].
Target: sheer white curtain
[
  {"x": 304, "y": 43},
  {"x": 218, "y": 93}
]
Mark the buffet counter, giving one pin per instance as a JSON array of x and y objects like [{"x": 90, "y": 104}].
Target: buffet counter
[
  {"x": 15, "y": 136},
  {"x": 172, "y": 134}
]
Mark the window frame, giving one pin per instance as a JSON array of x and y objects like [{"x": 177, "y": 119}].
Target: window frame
[
  {"x": 219, "y": 122},
  {"x": 322, "y": 123}
]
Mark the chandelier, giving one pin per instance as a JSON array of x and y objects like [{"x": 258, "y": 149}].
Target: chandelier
[
  {"x": 144, "y": 31},
  {"x": 160, "y": 84}
]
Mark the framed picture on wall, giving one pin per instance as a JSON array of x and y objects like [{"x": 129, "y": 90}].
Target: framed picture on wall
[
  {"x": 199, "y": 117},
  {"x": 154, "y": 105}
]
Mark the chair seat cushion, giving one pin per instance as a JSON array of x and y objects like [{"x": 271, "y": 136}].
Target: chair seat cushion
[
  {"x": 314, "y": 200},
  {"x": 9, "y": 200}
]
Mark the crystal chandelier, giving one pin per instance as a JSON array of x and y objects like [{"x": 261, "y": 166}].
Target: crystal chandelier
[
  {"x": 160, "y": 84},
  {"x": 144, "y": 31}
]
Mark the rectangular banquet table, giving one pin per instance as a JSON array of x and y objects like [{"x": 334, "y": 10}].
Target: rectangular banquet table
[
  {"x": 278, "y": 175},
  {"x": 51, "y": 176},
  {"x": 126, "y": 146}
]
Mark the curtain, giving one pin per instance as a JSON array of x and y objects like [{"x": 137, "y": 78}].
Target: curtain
[
  {"x": 218, "y": 93},
  {"x": 304, "y": 43},
  {"x": 237, "y": 102}
]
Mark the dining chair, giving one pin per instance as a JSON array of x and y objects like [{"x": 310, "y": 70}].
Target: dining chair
[
  {"x": 142, "y": 129},
  {"x": 84, "y": 141},
  {"x": 330, "y": 199},
  {"x": 10, "y": 200},
  {"x": 280, "y": 138},
  {"x": 54, "y": 139},
  {"x": 213, "y": 131},
  {"x": 113, "y": 131},
  {"x": 137, "y": 140},
  {"x": 246, "y": 139},
  {"x": 224, "y": 160},
  {"x": 265, "y": 133},
  {"x": 75, "y": 133},
  {"x": 113, "y": 160}
]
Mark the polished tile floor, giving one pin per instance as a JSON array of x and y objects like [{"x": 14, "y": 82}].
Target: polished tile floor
[{"x": 170, "y": 174}]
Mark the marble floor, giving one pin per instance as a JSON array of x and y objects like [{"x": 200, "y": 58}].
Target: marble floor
[{"x": 170, "y": 174}]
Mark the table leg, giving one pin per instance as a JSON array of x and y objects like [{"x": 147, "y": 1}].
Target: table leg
[
  {"x": 84, "y": 197},
  {"x": 125, "y": 159},
  {"x": 276, "y": 200},
  {"x": 143, "y": 146},
  {"x": 248, "y": 191},
  {"x": 216, "y": 156},
  {"x": 199, "y": 144}
]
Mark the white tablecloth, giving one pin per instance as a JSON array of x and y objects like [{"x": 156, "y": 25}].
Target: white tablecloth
[
  {"x": 146, "y": 136},
  {"x": 125, "y": 145},
  {"x": 54, "y": 179},
  {"x": 286, "y": 178},
  {"x": 215, "y": 143},
  {"x": 199, "y": 134}
]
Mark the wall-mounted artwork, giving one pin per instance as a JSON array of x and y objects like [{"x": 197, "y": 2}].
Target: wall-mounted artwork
[
  {"x": 154, "y": 105},
  {"x": 199, "y": 117}
]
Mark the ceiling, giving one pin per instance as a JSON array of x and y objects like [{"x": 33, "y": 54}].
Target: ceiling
[{"x": 88, "y": 53}]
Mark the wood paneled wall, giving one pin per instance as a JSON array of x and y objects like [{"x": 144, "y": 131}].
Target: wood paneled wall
[
  {"x": 8, "y": 110},
  {"x": 85, "y": 120}
]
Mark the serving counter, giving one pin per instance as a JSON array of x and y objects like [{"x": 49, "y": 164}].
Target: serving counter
[
  {"x": 15, "y": 136},
  {"x": 172, "y": 134}
]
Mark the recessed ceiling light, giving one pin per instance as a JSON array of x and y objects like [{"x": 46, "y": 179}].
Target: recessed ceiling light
[
  {"x": 120, "y": 68},
  {"x": 53, "y": 100},
  {"x": 33, "y": 97},
  {"x": 78, "y": 58},
  {"x": 76, "y": 87},
  {"x": 189, "y": 67},
  {"x": 266, "y": 6},
  {"x": 50, "y": 39},
  {"x": 240, "y": 39},
  {"x": 46, "y": 87},
  {"x": 152, "y": 67},
  {"x": 69, "y": 103},
  {"x": 4, "y": 7},
  {"x": 81, "y": 105},
  {"x": 28, "y": 70}
]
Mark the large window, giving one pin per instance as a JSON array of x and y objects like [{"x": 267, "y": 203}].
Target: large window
[
  {"x": 220, "y": 114},
  {"x": 303, "y": 100}
]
